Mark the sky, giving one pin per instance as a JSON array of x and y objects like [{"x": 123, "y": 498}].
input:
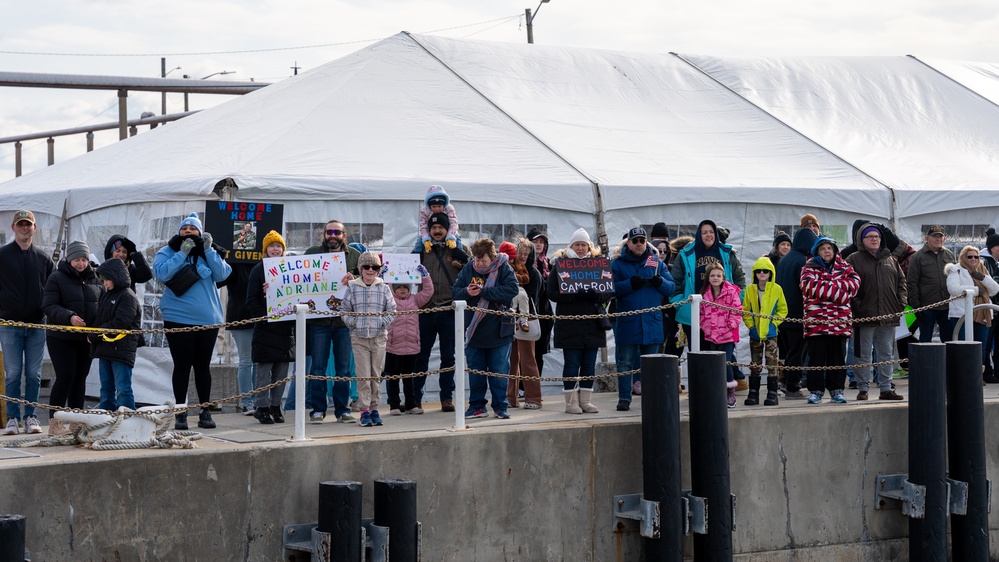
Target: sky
[{"x": 263, "y": 39}]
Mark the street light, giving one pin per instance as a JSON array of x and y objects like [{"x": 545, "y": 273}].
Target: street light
[
  {"x": 223, "y": 73},
  {"x": 163, "y": 74},
  {"x": 530, "y": 20}
]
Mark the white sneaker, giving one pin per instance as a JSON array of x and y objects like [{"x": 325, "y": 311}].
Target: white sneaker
[
  {"x": 31, "y": 425},
  {"x": 11, "y": 428}
]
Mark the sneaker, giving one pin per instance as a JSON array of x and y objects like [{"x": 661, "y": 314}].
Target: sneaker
[
  {"x": 31, "y": 425},
  {"x": 502, "y": 414},
  {"x": 890, "y": 395},
  {"x": 901, "y": 373},
  {"x": 419, "y": 410},
  {"x": 853, "y": 385},
  {"x": 205, "y": 419},
  {"x": 476, "y": 413},
  {"x": 531, "y": 406},
  {"x": 366, "y": 419},
  {"x": 317, "y": 417},
  {"x": 447, "y": 406},
  {"x": 741, "y": 384},
  {"x": 862, "y": 395},
  {"x": 395, "y": 412},
  {"x": 247, "y": 411},
  {"x": 623, "y": 405},
  {"x": 180, "y": 422},
  {"x": 346, "y": 418},
  {"x": 375, "y": 418},
  {"x": 815, "y": 398},
  {"x": 731, "y": 398},
  {"x": 636, "y": 388},
  {"x": 11, "y": 428},
  {"x": 838, "y": 398}
]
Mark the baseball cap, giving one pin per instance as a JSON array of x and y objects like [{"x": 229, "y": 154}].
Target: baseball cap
[
  {"x": 23, "y": 216},
  {"x": 637, "y": 232},
  {"x": 935, "y": 229}
]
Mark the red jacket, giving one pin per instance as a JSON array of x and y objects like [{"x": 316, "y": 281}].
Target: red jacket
[{"x": 827, "y": 295}]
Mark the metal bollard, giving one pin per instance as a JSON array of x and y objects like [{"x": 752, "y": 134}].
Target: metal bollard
[
  {"x": 928, "y": 450},
  {"x": 395, "y": 508},
  {"x": 340, "y": 516},
  {"x": 12, "y": 530},
  {"x": 661, "y": 454},
  {"x": 709, "y": 465},
  {"x": 966, "y": 442}
]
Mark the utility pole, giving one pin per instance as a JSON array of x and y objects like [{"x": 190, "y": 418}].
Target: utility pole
[
  {"x": 295, "y": 68},
  {"x": 529, "y": 18},
  {"x": 163, "y": 94}
]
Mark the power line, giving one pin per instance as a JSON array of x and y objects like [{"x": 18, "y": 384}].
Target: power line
[{"x": 275, "y": 49}]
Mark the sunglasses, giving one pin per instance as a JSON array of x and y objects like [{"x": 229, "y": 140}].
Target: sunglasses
[
  {"x": 371, "y": 267},
  {"x": 972, "y": 257},
  {"x": 638, "y": 240},
  {"x": 334, "y": 232}
]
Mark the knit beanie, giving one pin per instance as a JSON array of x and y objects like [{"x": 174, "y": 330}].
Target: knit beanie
[
  {"x": 992, "y": 239},
  {"x": 869, "y": 230},
  {"x": 781, "y": 237},
  {"x": 191, "y": 220},
  {"x": 659, "y": 231},
  {"x": 580, "y": 236},
  {"x": 368, "y": 258},
  {"x": 809, "y": 219},
  {"x": 77, "y": 249},
  {"x": 510, "y": 250},
  {"x": 273, "y": 237},
  {"x": 441, "y": 219}
]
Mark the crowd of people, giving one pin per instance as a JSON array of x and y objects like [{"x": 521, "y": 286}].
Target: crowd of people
[{"x": 804, "y": 277}]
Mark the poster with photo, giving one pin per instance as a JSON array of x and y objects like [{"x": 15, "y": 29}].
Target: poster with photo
[
  {"x": 313, "y": 279},
  {"x": 240, "y": 226},
  {"x": 401, "y": 269}
]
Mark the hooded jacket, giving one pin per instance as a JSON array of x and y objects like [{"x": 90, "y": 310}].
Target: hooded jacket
[
  {"x": 770, "y": 302},
  {"x": 789, "y": 271},
  {"x": 645, "y": 328},
  {"x": 138, "y": 269},
  {"x": 69, "y": 293},
  {"x": 119, "y": 309},
  {"x": 827, "y": 290},
  {"x": 404, "y": 332},
  {"x": 685, "y": 266},
  {"x": 882, "y": 284},
  {"x": 720, "y": 325}
]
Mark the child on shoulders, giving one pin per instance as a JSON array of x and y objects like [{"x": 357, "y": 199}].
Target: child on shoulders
[{"x": 437, "y": 201}]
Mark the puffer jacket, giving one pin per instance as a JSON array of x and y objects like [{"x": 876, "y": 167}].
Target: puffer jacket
[
  {"x": 645, "y": 328},
  {"x": 882, "y": 284},
  {"x": 959, "y": 279},
  {"x": 771, "y": 302},
  {"x": 404, "y": 332},
  {"x": 925, "y": 280},
  {"x": 376, "y": 297},
  {"x": 273, "y": 342},
  {"x": 69, "y": 293},
  {"x": 119, "y": 309},
  {"x": 717, "y": 324},
  {"x": 827, "y": 294}
]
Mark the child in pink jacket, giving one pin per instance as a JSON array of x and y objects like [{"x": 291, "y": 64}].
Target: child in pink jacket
[
  {"x": 403, "y": 344},
  {"x": 720, "y": 326}
]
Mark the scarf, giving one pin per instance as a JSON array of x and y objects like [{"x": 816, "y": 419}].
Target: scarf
[
  {"x": 543, "y": 266},
  {"x": 491, "y": 273}
]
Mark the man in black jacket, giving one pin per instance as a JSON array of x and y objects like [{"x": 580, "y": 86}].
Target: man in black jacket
[
  {"x": 791, "y": 337},
  {"x": 22, "y": 279}
]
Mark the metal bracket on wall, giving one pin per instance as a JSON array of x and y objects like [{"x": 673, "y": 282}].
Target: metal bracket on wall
[
  {"x": 695, "y": 514},
  {"x": 896, "y": 487},
  {"x": 634, "y": 507},
  {"x": 376, "y": 544}
]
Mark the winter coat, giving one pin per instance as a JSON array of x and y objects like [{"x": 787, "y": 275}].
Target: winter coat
[
  {"x": 404, "y": 332},
  {"x": 992, "y": 267},
  {"x": 771, "y": 302},
  {"x": 958, "y": 280},
  {"x": 882, "y": 284},
  {"x": 235, "y": 284},
  {"x": 500, "y": 296},
  {"x": 827, "y": 295},
  {"x": 376, "y": 297},
  {"x": 717, "y": 324},
  {"x": 69, "y": 293},
  {"x": 138, "y": 269},
  {"x": 444, "y": 264},
  {"x": 200, "y": 305},
  {"x": 576, "y": 334},
  {"x": 22, "y": 281},
  {"x": 118, "y": 308},
  {"x": 925, "y": 280},
  {"x": 425, "y": 214},
  {"x": 645, "y": 328},
  {"x": 789, "y": 271},
  {"x": 273, "y": 342},
  {"x": 685, "y": 266}
]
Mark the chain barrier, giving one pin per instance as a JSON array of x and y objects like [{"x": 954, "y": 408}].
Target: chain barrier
[{"x": 867, "y": 320}]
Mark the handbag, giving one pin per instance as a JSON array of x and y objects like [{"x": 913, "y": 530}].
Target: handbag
[
  {"x": 533, "y": 332},
  {"x": 508, "y": 324},
  {"x": 184, "y": 279}
]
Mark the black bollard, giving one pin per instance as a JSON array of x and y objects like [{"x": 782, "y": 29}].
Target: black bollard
[
  {"x": 966, "y": 441},
  {"x": 395, "y": 508},
  {"x": 340, "y": 515},
  {"x": 928, "y": 449},
  {"x": 661, "y": 454},
  {"x": 709, "y": 466},
  {"x": 12, "y": 529}
]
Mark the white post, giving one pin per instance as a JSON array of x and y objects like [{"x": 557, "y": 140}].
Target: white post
[
  {"x": 695, "y": 322},
  {"x": 459, "y": 364},
  {"x": 300, "y": 413},
  {"x": 969, "y": 313}
]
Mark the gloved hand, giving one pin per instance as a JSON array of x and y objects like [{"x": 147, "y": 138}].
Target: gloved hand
[
  {"x": 656, "y": 281},
  {"x": 587, "y": 294},
  {"x": 422, "y": 270},
  {"x": 426, "y": 246},
  {"x": 977, "y": 275},
  {"x": 186, "y": 246},
  {"x": 637, "y": 283},
  {"x": 450, "y": 244},
  {"x": 208, "y": 241}
]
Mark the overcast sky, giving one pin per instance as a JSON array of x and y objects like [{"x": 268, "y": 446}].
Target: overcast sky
[{"x": 208, "y": 36}]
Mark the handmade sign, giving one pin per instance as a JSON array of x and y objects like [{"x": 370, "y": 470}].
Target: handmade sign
[
  {"x": 587, "y": 273},
  {"x": 313, "y": 279},
  {"x": 401, "y": 269},
  {"x": 241, "y": 226}
]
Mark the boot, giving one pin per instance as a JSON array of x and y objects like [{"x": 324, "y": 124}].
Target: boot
[
  {"x": 56, "y": 428},
  {"x": 572, "y": 402},
  {"x": 205, "y": 419},
  {"x": 277, "y": 414},
  {"x": 585, "y": 394},
  {"x": 263, "y": 415},
  {"x": 771, "y": 392},
  {"x": 180, "y": 422},
  {"x": 754, "y": 391}
]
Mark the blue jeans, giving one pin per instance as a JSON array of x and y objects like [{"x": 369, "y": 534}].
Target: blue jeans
[
  {"x": 433, "y": 325},
  {"x": 494, "y": 360},
  {"x": 321, "y": 339},
  {"x": 729, "y": 349},
  {"x": 579, "y": 362},
  {"x": 929, "y": 318},
  {"x": 116, "y": 385},
  {"x": 22, "y": 351},
  {"x": 246, "y": 373},
  {"x": 628, "y": 358}
]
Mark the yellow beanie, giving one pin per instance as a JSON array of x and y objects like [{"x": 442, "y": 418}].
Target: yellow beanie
[{"x": 271, "y": 238}]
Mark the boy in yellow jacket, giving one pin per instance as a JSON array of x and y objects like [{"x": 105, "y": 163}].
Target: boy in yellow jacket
[{"x": 763, "y": 296}]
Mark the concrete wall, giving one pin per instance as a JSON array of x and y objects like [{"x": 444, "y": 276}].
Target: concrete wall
[{"x": 804, "y": 480}]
